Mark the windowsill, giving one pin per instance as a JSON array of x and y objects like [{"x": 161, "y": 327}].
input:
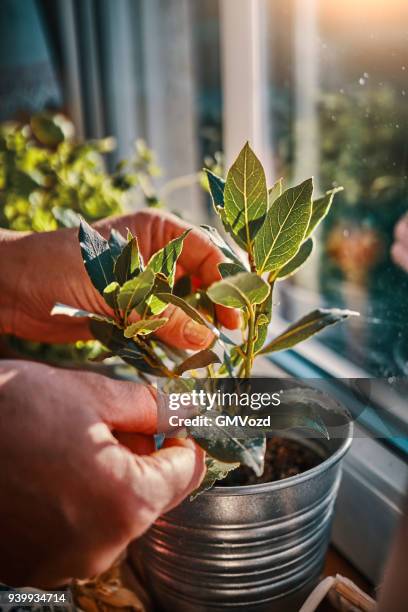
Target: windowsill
[{"x": 337, "y": 564}]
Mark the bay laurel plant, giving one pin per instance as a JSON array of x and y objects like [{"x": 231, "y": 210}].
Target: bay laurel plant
[{"x": 272, "y": 230}]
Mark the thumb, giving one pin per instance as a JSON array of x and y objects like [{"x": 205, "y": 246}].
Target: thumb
[
  {"x": 181, "y": 331},
  {"x": 162, "y": 480},
  {"x": 122, "y": 405}
]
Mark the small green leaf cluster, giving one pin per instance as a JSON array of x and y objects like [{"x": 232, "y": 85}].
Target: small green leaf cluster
[
  {"x": 272, "y": 230},
  {"x": 136, "y": 294},
  {"x": 47, "y": 179}
]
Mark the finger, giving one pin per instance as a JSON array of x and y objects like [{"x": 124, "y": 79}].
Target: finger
[
  {"x": 181, "y": 331},
  {"x": 399, "y": 253},
  {"x": 162, "y": 480},
  {"x": 187, "y": 443},
  {"x": 138, "y": 444},
  {"x": 401, "y": 230},
  {"x": 122, "y": 405}
]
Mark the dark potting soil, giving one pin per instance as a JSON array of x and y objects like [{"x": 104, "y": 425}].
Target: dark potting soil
[{"x": 284, "y": 458}]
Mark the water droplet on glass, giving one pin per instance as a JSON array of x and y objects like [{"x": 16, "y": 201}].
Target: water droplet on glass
[
  {"x": 403, "y": 67},
  {"x": 403, "y": 92},
  {"x": 365, "y": 75},
  {"x": 361, "y": 81}
]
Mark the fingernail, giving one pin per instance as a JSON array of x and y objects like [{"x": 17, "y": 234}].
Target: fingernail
[{"x": 197, "y": 334}]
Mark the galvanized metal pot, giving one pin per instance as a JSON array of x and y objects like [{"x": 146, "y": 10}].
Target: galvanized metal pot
[{"x": 258, "y": 547}]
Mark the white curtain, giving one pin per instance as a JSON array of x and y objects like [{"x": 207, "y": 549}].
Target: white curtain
[{"x": 128, "y": 72}]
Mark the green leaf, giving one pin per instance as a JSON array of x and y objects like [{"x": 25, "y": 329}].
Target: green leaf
[
  {"x": 262, "y": 322},
  {"x": 217, "y": 186},
  {"x": 298, "y": 410},
  {"x": 230, "y": 269},
  {"x": 298, "y": 260},
  {"x": 96, "y": 256},
  {"x": 239, "y": 291},
  {"x": 116, "y": 243},
  {"x": 155, "y": 305},
  {"x": 262, "y": 319},
  {"x": 235, "y": 359},
  {"x": 199, "y": 360},
  {"x": 170, "y": 298},
  {"x": 320, "y": 208},
  {"x": 284, "y": 228},
  {"x": 112, "y": 337},
  {"x": 201, "y": 302},
  {"x": 129, "y": 262},
  {"x": 221, "y": 244},
  {"x": 306, "y": 407},
  {"x": 48, "y": 129},
  {"x": 227, "y": 364},
  {"x": 164, "y": 261},
  {"x": 111, "y": 293},
  {"x": 70, "y": 311},
  {"x": 221, "y": 445},
  {"x": 134, "y": 291},
  {"x": 215, "y": 470},
  {"x": 275, "y": 191},
  {"x": 246, "y": 196},
  {"x": 306, "y": 327},
  {"x": 144, "y": 327},
  {"x": 225, "y": 339}
]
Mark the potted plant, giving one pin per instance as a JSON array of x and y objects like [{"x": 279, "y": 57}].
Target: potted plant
[{"x": 258, "y": 544}]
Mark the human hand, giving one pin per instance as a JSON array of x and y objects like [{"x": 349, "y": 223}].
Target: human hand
[
  {"x": 73, "y": 495},
  {"x": 399, "y": 250},
  {"x": 46, "y": 268}
]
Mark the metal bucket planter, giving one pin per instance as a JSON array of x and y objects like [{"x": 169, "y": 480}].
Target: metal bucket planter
[{"x": 258, "y": 547}]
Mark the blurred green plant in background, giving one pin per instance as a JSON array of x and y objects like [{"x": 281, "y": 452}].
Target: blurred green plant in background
[
  {"x": 48, "y": 179},
  {"x": 363, "y": 144}
]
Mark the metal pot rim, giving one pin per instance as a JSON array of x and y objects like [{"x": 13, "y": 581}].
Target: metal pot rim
[{"x": 292, "y": 481}]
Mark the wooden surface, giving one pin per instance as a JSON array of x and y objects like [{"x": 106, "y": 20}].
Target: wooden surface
[{"x": 337, "y": 564}]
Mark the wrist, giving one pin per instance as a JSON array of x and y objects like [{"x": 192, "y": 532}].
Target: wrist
[{"x": 14, "y": 256}]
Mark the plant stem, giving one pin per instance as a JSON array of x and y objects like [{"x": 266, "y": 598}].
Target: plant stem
[
  {"x": 272, "y": 277},
  {"x": 155, "y": 360},
  {"x": 241, "y": 370},
  {"x": 249, "y": 356}
]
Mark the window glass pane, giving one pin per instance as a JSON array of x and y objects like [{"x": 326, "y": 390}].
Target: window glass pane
[{"x": 338, "y": 92}]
